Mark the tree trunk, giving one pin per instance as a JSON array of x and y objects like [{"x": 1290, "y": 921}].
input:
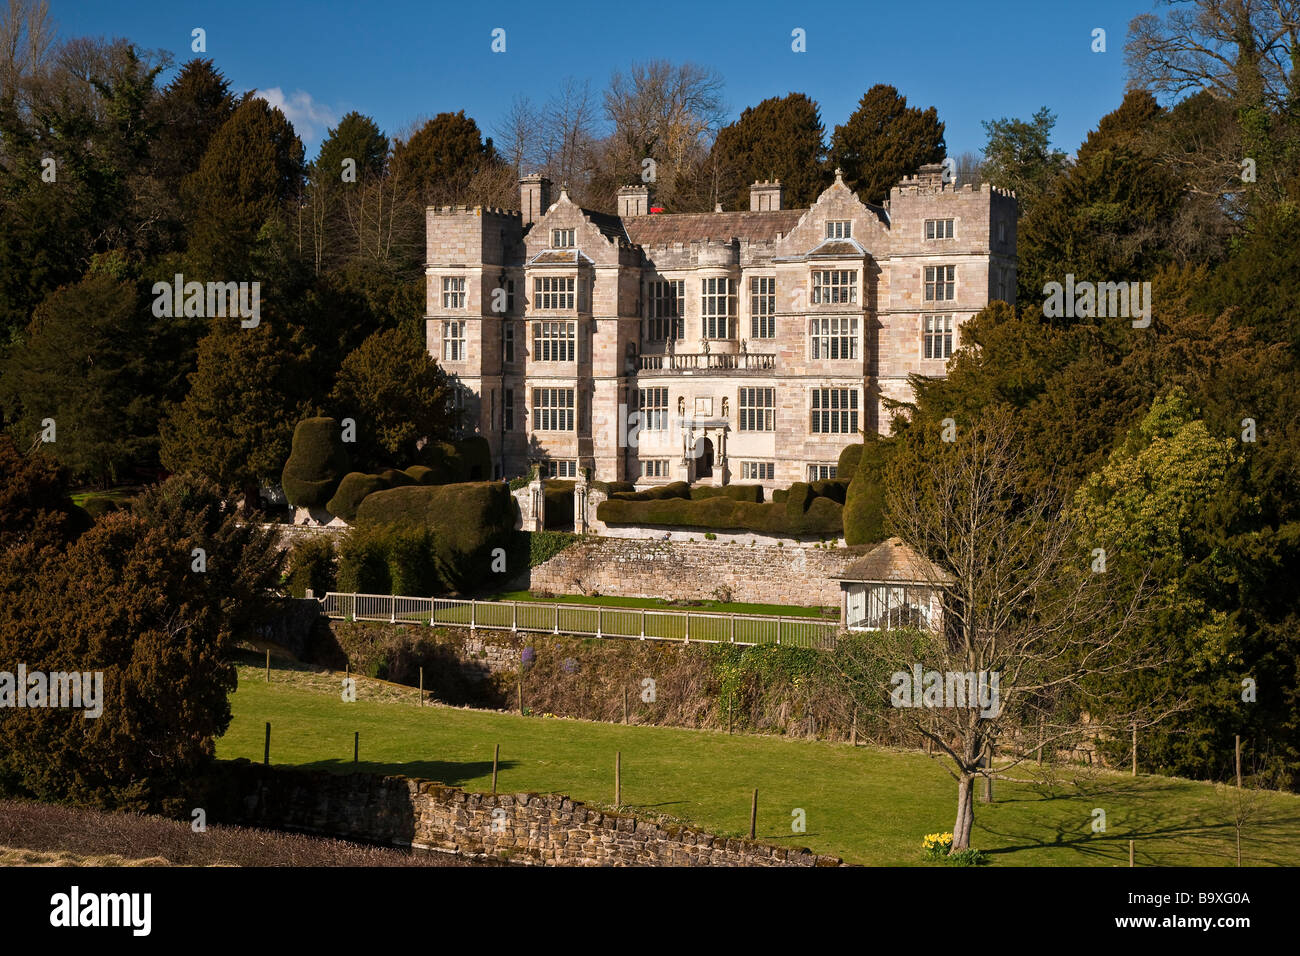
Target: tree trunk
[{"x": 965, "y": 813}]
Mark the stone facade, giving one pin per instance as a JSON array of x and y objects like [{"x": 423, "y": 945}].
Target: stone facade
[
  {"x": 753, "y": 311},
  {"x": 678, "y": 570},
  {"x": 527, "y": 828}
]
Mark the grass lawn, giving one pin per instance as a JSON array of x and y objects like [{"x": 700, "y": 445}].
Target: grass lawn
[
  {"x": 865, "y": 805},
  {"x": 121, "y": 494},
  {"x": 773, "y": 610}
]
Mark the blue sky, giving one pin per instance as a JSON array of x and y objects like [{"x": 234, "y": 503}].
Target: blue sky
[{"x": 400, "y": 60}]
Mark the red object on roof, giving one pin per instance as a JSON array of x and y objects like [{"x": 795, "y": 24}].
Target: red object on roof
[{"x": 655, "y": 209}]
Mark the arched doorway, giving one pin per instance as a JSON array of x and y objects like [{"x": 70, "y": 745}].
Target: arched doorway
[{"x": 704, "y": 458}]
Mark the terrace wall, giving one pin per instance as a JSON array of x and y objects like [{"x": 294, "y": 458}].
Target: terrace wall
[
  {"x": 690, "y": 571},
  {"x": 529, "y": 828}
]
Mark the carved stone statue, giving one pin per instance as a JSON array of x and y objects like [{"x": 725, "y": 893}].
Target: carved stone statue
[{"x": 726, "y": 407}]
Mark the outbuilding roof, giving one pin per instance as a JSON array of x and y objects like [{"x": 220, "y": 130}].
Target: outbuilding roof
[{"x": 893, "y": 562}]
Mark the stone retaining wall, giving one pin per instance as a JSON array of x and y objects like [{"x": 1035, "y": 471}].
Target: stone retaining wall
[
  {"x": 680, "y": 570},
  {"x": 529, "y": 828}
]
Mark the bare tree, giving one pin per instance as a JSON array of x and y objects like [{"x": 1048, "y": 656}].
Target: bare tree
[
  {"x": 1241, "y": 50},
  {"x": 666, "y": 113},
  {"x": 568, "y": 134},
  {"x": 518, "y": 134},
  {"x": 1024, "y": 613},
  {"x": 26, "y": 39}
]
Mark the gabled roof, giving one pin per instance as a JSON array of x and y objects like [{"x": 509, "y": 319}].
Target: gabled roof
[
  {"x": 611, "y": 227},
  {"x": 840, "y": 248},
  {"x": 893, "y": 562},
  {"x": 559, "y": 257},
  {"x": 665, "y": 228}
]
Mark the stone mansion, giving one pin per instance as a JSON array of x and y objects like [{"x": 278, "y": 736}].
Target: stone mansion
[{"x": 717, "y": 347}]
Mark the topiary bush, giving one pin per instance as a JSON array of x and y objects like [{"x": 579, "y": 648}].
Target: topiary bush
[
  {"x": 864, "y": 505},
  {"x": 559, "y": 504},
  {"x": 822, "y": 517},
  {"x": 734, "y": 492},
  {"x": 611, "y": 487},
  {"x": 355, "y": 487},
  {"x": 311, "y": 566},
  {"x": 392, "y": 478},
  {"x": 468, "y": 519},
  {"x": 412, "y": 561},
  {"x": 676, "y": 489},
  {"x": 317, "y": 462},
  {"x": 848, "y": 464},
  {"x": 420, "y": 474}
]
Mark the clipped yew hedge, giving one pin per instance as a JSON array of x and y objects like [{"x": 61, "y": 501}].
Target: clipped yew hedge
[
  {"x": 469, "y": 459},
  {"x": 823, "y": 516},
  {"x": 752, "y": 493},
  {"x": 355, "y": 487},
  {"x": 468, "y": 521},
  {"x": 864, "y": 506},
  {"x": 317, "y": 462}
]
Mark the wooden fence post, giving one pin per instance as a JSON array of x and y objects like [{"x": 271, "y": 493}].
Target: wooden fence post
[
  {"x": 618, "y": 778},
  {"x": 753, "y": 815},
  {"x": 421, "y": 686},
  {"x": 268, "y": 665},
  {"x": 625, "y": 705},
  {"x": 356, "y": 745},
  {"x": 496, "y": 755},
  {"x": 266, "y": 754},
  {"x": 521, "y": 696},
  {"x": 1238, "y": 761},
  {"x": 1135, "y": 748},
  {"x": 853, "y": 731}
]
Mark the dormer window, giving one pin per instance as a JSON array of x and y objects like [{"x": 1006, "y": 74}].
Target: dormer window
[
  {"x": 839, "y": 229},
  {"x": 562, "y": 238}
]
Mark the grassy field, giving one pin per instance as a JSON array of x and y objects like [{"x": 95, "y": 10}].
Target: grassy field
[
  {"x": 865, "y": 805},
  {"x": 732, "y": 607}
]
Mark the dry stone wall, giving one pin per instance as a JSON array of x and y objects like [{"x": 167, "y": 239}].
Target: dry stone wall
[
  {"x": 687, "y": 571},
  {"x": 528, "y": 828}
]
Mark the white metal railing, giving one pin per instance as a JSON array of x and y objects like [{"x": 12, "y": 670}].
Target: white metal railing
[{"x": 582, "y": 620}]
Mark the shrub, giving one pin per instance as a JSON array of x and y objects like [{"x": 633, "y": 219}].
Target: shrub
[
  {"x": 420, "y": 474},
  {"x": 311, "y": 565},
  {"x": 352, "y": 491},
  {"x": 822, "y": 516},
  {"x": 363, "y": 562},
  {"x": 752, "y": 493},
  {"x": 835, "y": 489},
  {"x": 864, "y": 505},
  {"x": 475, "y": 457},
  {"x": 454, "y": 462},
  {"x": 559, "y": 503},
  {"x": 317, "y": 461},
  {"x": 612, "y": 487},
  {"x": 412, "y": 561},
  {"x": 676, "y": 489},
  {"x": 780, "y": 494},
  {"x": 392, "y": 478},
  {"x": 468, "y": 519},
  {"x": 97, "y": 506},
  {"x": 800, "y": 497},
  {"x": 848, "y": 464}
]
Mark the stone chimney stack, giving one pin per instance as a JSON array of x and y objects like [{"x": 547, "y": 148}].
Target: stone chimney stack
[
  {"x": 765, "y": 196},
  {"x": 534, "y": 197},
  {"x": 633, "y": 201},
  {"x": 930, "y": 175}
]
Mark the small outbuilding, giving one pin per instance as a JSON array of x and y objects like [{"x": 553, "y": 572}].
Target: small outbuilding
[{"x": 892, "y": 586}]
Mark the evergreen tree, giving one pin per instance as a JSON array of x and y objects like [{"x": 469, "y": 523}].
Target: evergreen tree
[
  {"x": 780, "y": 138},
  {"x": 883, "y": 141}
]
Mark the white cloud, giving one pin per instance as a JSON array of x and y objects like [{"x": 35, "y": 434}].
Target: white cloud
[{"x": 309, "y": 118}]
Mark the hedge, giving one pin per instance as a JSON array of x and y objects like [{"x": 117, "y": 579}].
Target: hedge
[
  {"x": 355, "y": 487},
  {"x": 559, "y": 503},
  {"x": 613, "y": 487},
  {"x": 469, "y": 459},
  {"x": 677, "y": 489},
  {"x": 822, "y": 517},
  {"x": 468, "y": 521},
  {"x": 311, "y": 565},
  {"x": 420, "y": 474},
  {"x": 392, "y": 478},
  {"x": 317, "y": 461},
  {"x": 848, "y": 465},
  {"x": 864, "y": 506},
  {"x": 752, "y": 493}
]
